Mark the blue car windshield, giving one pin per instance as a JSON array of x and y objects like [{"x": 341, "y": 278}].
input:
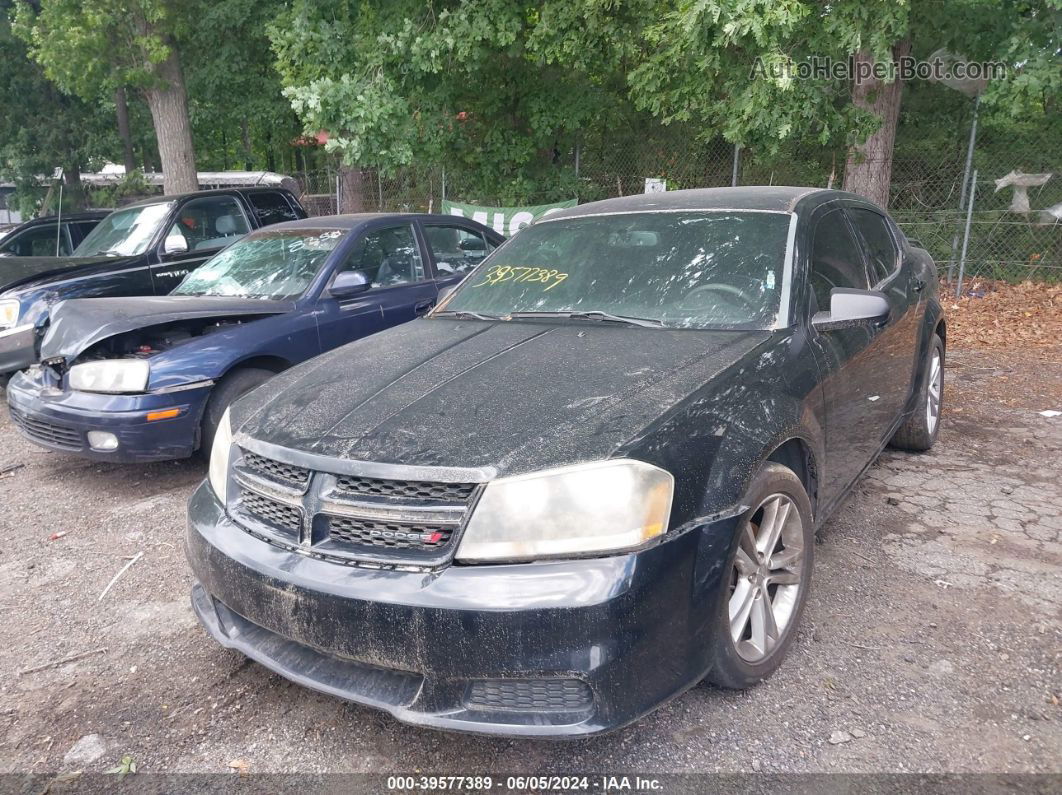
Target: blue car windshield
[
  {"x": 687, "y": 269},
  {"x": 270, "y": 264}
]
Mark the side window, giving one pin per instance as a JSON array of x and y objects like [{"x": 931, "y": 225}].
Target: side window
[
  {"x": 83, "y": 228},
  {"x": 39, "y": 242},
  {"x": 455, "y": 248},
  {"x": 881, "y": 248},
  {"x": 271, "y": 207},
  {"x": 387, "y": 257},
  {"x": 209, "y": 223},
  {"x": 836, "y": 260}
]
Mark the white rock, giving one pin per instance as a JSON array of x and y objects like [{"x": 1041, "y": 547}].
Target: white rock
[{"x": 86, "y": 750}]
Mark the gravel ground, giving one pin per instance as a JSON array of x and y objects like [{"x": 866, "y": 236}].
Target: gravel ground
[{"x": 931, "y": 641}]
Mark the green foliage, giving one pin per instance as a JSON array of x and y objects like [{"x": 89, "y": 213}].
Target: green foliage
[
  {"x": 91, "y": 47},
  {"x": 41, "y": 127},
  {"x": 240, "y": 117}
]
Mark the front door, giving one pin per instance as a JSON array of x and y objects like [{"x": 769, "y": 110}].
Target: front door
[
  {"x": 202, "y": 227},
  {"x": 855, "y": 362},
  {"x": 392, "y": 263}
]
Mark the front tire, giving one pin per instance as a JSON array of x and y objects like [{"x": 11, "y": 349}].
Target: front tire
[
  {"x": 228, "y": 390},
  {"x": 919, "y": 431},
  {"x": 767, "y": 580}
]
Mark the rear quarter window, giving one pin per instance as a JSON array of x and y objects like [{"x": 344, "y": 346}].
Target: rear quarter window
[{"x": 271, "y": 207}]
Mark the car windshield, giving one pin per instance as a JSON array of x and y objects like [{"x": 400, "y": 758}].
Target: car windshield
[
  {"x": 272, "y": 264},
  {"x": 125, "y": 233},
  {"x": 677, "y": 269}
]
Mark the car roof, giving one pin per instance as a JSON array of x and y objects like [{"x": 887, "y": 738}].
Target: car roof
[
  {"x": 84, "y": 215},
  {"x": 351, "y": 220},
  {"x": 195, "y": 194},
  {"x": 773, "y": 198}
]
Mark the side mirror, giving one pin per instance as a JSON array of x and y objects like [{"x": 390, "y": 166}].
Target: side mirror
[
  {"x": 175, "y": 244},
  {"x": 349, "y": 283},
  {"x": 472, "y": 244},
  {"x": 915, "y": 243},
  {"x": 850, "y": 308}
]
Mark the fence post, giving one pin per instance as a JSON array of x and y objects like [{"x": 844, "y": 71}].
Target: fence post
[
  {"x": 737, "y": 165},
  {"x": 965, "y": 180},
  {"x": 443, "y": 188},
  {"x": 338, "y": 210},
  {"x": 577, "y": 152},
  {"x": 966, "y": 234}
]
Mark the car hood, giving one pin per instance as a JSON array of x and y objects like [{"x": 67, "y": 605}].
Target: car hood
[
  {"x": 508, "y": 397},
  {"x": 80, "y": 323},
  {"x": 15, "y": 271}
]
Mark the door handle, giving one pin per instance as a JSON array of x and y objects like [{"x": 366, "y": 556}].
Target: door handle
[{"x": 423, "y": 307}]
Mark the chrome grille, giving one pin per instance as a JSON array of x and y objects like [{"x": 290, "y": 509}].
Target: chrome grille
[
  {"x": 277, "y": 470},
  {"x": 350, "y": 518},
  {"x": 387, "y": 535},
  {"x": 46, "y": 432},
  {"x": 272, "y": 512},
  {"x": 405, "y": 489}
]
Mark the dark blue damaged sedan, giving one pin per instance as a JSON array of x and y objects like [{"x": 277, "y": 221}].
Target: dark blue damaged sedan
[
  {"x": 148, "y": 378},
  {"x": 590, "y": 478}
]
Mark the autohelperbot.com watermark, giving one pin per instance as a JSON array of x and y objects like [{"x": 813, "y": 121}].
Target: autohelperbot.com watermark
[{"x": 907, "y": 67}]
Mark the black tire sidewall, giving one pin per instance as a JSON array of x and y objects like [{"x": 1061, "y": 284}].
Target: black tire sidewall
[
  {"x": 229, "y": 389},
  {"x": 728, "y": 667}
]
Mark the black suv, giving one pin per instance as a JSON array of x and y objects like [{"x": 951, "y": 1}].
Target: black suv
[{"x": 145, "y": 248}]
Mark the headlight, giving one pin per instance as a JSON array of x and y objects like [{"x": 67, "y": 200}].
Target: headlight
[
  {"x": 218, "y": 473},
  {"x": 9, "y": 311},
  {"x": 603, "y": 507},
  {"x": 113, "y": 376}
]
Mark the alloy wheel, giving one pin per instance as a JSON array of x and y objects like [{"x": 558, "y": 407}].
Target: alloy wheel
[
  {"x": 766, "y": 578},
  {"x": 933, "y": 392}
]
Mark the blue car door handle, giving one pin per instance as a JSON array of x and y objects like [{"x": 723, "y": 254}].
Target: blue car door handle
[{"x": 423, "y": 306}]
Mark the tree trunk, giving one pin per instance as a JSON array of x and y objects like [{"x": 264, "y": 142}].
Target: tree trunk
[
  {"x": 173, "y": 129},
  {"x": 73, "y": 189},
  {"x": 128, "y": 158},
  {"x": 351, "y": 190},
  {"x": 868, "y": 170},
  {"x": 245, "y": 139}
]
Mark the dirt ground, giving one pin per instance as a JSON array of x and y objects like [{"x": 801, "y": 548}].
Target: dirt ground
[{"x": 931, "y": 643}]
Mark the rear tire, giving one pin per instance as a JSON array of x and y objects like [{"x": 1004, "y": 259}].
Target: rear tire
[
  {"x": 919, "y": 431},
  {"x": 228, "y": 390},
  {"x": 767, "y": 578}
]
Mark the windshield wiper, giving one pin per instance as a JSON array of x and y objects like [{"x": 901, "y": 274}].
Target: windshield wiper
[
  {"x": 474, "y": 315},
  {"x": 594, "y": 314}
]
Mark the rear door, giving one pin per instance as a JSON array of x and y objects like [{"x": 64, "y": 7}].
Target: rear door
[
  {"x": 855, "y": 360},
  {"x": 455, "y": 250},
  {"x": 199, "y": 229},
  {"x": 393, "y": 262},
  {"x": 889, "y": 274}
]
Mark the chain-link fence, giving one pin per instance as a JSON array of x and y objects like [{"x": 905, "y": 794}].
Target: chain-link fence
[{"x": 1001, "y": 240}]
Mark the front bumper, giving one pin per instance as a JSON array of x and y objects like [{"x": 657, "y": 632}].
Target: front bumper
[
  {"x": 568, "y": 648},
  {"x": 18, "y": 348},
  {"x": 60, "y": 420}
]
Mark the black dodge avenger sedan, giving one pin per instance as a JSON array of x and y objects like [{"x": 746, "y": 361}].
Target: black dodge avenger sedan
[{"x": 590, "y": 479}]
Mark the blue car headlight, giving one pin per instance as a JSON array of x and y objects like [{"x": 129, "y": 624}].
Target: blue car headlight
[{"x": 111, "y": 376}]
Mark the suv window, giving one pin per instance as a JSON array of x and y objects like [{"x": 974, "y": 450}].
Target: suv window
[
  {"x": 209, "y": 223},
  {"x": 881, "y": 248},
  {"x": 836, "y": 260},
  {"x": 271, "y": 207},
  {"x": 387, "y": 257},
  {"x": 455, "y": 248},
  {"x": 38, "y": 242}
]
